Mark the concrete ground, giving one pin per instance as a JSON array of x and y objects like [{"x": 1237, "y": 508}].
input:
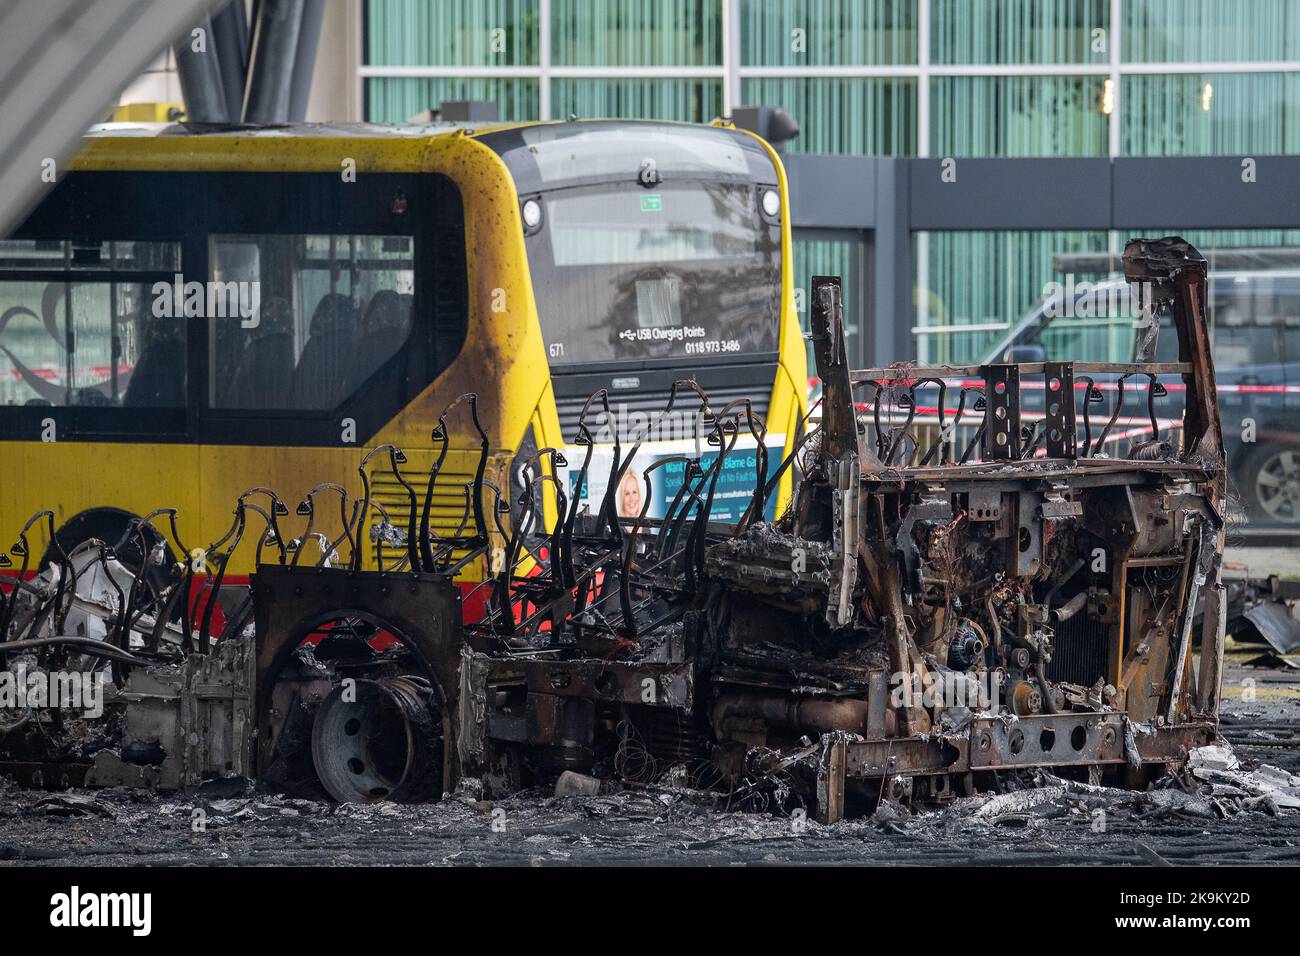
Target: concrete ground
[
  {"x": 671, "y": 827},
  {"x": 1259, "y": 562},
  {"x": 665, "y": 826}
]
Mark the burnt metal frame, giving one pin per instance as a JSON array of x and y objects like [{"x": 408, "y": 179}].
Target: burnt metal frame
[{"x": 1179, "y": 273}]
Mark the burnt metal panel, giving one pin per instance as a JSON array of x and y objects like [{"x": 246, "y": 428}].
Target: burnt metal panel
[
  {"x": 1276, "y": 626},
  {"x": 421, "y": 610},
  {"x": 1002, "y": 422},
  {"x": 1056, "y": 740},
  {"x": 1058, "y": 407}
]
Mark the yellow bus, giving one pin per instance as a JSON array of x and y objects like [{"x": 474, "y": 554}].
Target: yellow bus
[{"x": 191, "y": 313}]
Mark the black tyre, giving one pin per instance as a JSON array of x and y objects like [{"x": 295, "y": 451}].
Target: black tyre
[{"x": 1269, "y": 480}]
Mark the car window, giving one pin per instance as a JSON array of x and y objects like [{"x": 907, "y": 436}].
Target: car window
[
  {"x": 1096, "y": 326},
  {"x": 1251, "y": 317}
]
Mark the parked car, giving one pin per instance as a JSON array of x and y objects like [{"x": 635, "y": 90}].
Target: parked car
[{"x": 1255, "y": 330}]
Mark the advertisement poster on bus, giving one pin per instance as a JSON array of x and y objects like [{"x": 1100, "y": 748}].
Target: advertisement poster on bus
[{"x": 731, "y": 497}]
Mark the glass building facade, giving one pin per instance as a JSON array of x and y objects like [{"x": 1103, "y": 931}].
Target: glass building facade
[{"x": 937, "y": 78}]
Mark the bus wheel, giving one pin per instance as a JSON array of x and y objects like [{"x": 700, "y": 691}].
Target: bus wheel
[
  {"x": 1271, "y": 484},
  {"x": 377, "y": 739}
]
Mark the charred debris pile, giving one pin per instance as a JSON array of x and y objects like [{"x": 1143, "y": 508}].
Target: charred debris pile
[{"x": 977, "y": 574}]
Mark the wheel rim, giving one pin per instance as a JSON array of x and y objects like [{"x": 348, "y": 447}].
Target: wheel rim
[{"x": 1277, "y": 486}]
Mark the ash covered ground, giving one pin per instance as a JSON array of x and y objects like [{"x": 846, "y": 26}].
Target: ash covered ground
[{"x": 1054, "y": 824}]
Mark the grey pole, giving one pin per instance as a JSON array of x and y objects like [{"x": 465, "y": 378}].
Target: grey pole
[
  {"x": 230, "y": 29},
  {"x": 200, "y": 75},
  {"x": 304, "y": 60},
  {"x": 270, "y": 70}
]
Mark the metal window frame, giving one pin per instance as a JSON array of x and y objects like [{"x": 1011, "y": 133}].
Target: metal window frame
[
  {"x": 732, "y": 72},
  {"x": 887, "y": 200},
  {"x": 891, "y": 199}
]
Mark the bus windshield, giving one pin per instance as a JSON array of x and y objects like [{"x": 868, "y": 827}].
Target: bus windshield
[
  {"x": 648, "y": 242},
  {"x": 623, "y": 273}
]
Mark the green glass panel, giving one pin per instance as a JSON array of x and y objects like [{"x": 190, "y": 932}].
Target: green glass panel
[
  {"x": 982, "y": 278},
  {"x": 686, "y": 100},
  {"x": 827, "y": 32},
  {"x": 1197, "y": 31},
  {"x": 1210, "y": 241},
  {"x": 1199, "y": 114},
  {"x": 874, "y": 116},
  {"x": 451, "y": 32},
  {"x": 636, "y": 32},
  {"x": 830, "y": 257},
  {"x": 1017, "y": 116},
  {"x": 1019, "y": 31},
  {"x": 392, "y": 100}
]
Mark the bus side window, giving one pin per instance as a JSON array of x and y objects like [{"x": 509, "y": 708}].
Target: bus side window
[
  {"x": 328, "y": 311},
  {"x": 384, "y": 327},
  {"x": 72, "y": 333}
]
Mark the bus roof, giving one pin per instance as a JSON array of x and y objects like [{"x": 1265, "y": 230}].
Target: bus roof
[
  {"x": 297, "y": 130},
  {"x": 395, "y": 147},
  {"x": 347, "y": 130}
]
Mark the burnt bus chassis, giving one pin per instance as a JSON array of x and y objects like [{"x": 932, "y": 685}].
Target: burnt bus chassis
[{"x": 920, "y": 619}]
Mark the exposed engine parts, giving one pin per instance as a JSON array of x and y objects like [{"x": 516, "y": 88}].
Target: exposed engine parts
[{"x": 950, "y": 594}]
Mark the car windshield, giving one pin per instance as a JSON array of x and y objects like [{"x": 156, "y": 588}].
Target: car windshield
[{"x": 1254, "y": 320}]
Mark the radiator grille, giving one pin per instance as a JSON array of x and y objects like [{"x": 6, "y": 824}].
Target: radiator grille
[
  {"x": 634, "y": 410},
  {"x": 449, "y": 500},
  {"x": 1079, "y": 651}
]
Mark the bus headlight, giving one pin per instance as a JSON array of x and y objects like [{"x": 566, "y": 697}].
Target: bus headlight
[
  {"x": 771, "y": 203},
  {"x": 532, "y": 214}
]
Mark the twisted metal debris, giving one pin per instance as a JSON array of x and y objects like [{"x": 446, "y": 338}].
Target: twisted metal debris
[{"x": 956, "y": 590}]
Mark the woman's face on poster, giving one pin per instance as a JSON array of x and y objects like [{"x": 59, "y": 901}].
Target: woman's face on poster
[{"x": 629, "y": 496}]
